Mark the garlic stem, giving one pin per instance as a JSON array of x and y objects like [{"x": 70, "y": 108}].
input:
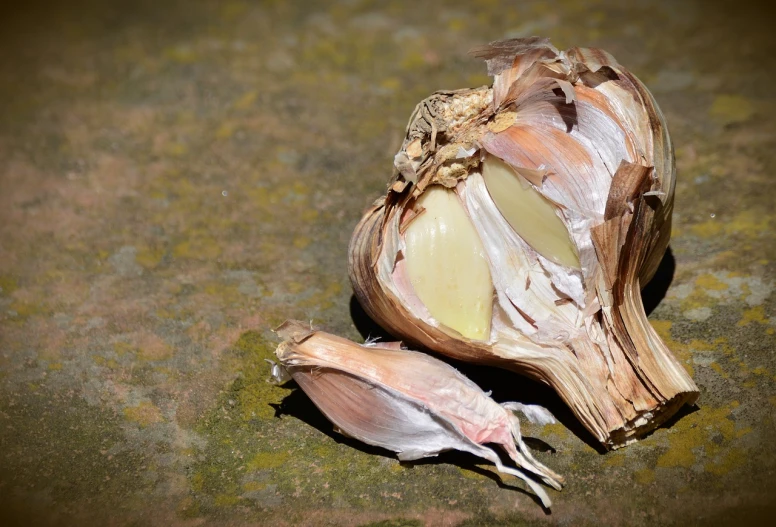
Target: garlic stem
[
  {"x": 529, "y": 213},
  {"x": 447, "y": 267}
]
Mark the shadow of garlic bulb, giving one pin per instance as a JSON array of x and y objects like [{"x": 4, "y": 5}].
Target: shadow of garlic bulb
[{"x": 519, "y": 227}]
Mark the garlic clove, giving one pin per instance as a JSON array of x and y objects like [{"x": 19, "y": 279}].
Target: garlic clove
[
  {"x": 405, "y": 401},
  {"x": 532, "y": 216},
  {"x": 446, "y": 264}
]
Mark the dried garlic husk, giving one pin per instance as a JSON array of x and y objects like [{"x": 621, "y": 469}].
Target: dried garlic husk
[
  {"x": 405, "y": 401},
  {"x": 565, "y": 172}
]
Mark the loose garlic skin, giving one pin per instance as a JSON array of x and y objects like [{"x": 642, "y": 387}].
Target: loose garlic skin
[
  {"x": 564, "y": 170},
  {"x": 446, "y": 265}
]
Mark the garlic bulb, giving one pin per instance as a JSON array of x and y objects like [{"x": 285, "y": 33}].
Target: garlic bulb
[
  {"x": 520, "y": 224},
  {"x": 404, "y": 401}
]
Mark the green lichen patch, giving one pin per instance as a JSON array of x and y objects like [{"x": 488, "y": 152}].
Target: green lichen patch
[
  {"x": 7, "y": 285},
  {"x": 707, "y": 438},
  {"x": 144, "y": 414},
  {"x": 253, "y": 392}
]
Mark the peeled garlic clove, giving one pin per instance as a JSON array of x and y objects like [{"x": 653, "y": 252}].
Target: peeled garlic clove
[
  {"x": 569, "y": 238},
  {"x": 405, "y": 401},
  {"x": 446, "y": 264},
  {"x": 532, "y": 216}
]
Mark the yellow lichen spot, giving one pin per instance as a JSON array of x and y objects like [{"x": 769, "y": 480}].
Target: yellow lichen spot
[
  {"x": 749, "y": 223},
  {"x": 254, "y": 393},
  {"x": 148, "y": 257},
  {"x": 700, "y": 431},
  {"x": 470, "y": 474},
  {"x": 198, "y": 247},
  {"x": 231, "y": 10},
  {"x": 197, "y": 482},
  {"x": 25, "y": 309},
  {"x": 55, "y": 366},
  {"x": 225, "y": 500},
  {"x": 644, "y": 476},
  {"x": 477, "y": 79},
  {"x": 729, "y": 109},
  {"x": 310, "y": 215},
  {"x": 755, "y": 314},
  {"x": 391, "y": 84},
  {"x": 144, "y": 414},
  {"x": 556, "y": 429},
  {"x": 707, "y": 229},
  {"x": 456, "y": 24},
  {"x": 175, "y": 149},
  {"x": 300, "y": 188},
  {"x": 294, "y": 287},
  {"x": 300, "y": 242},
  {"x": 710, "y": 283},
  {"x": 717, "y": 368},
  {"x": 267, "y": 460},
  {"x": 325, "y": 451},
  {"x": 743, "y": 432},
  {"x": 253, "y": 486},
  {"x": 246, "y": 101},
  {"x": 105, "y": 363},
  {"x": 614, "y": 459},
  {"x": 7, "y": 285},
  {"x": 413, "y": 60},
  {"x": 662, "y": 327},
  {"x": 225, "y": 131},
  {"x": 182, "y": 54},
  {"x": 165, "y": 313},
  {"x": 726, "y": 461},
  {"x": 594, "y": 34},
  {"x": 396, "y": 468},
  {"x": 680, "y": 455}
]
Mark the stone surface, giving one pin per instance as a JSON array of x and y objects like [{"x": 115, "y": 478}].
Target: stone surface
[{"x": 176, "y": 178}]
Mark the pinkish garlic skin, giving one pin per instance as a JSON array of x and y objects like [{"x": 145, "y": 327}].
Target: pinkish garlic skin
[{"x": 407, "y": 402}]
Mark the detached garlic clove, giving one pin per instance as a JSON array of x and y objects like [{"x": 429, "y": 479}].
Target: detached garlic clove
[
  {"x": 405, "y": 401},
  {"x": 565, "y": 171}
]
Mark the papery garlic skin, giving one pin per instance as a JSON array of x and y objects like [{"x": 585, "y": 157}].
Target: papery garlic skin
[
  {"x": 567, "y": 257},
  {"x": 405, "y": 401}
]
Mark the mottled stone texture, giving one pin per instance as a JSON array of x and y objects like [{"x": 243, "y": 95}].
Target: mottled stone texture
[{"x": 178, "y": 177}]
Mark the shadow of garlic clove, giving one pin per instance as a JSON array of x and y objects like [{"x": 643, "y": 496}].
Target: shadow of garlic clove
[
  {"x": 519, "y": 227},
  {"x": 405, "y": 401}
]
